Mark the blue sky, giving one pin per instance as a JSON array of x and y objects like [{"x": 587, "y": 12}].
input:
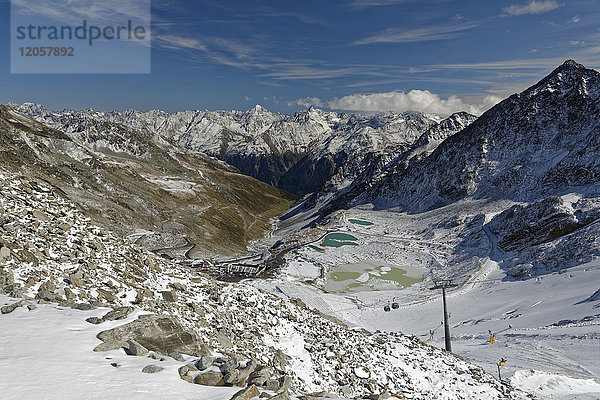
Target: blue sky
[{"x": 356, "y": 55}]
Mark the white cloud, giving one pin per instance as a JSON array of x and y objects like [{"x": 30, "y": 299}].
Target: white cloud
[
  {"x": 533, "y": 7},
  {"x": 437, "y": 32},
  {"x": 179, "y": 42},
  {"x": 377, "y": 3},
  {"x": 308, "y": 102},
  {"x": 415, "y": 100},
  {"x": 72, "y": 12}
]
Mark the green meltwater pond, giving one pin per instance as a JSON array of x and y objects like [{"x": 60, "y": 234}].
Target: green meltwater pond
[
  {"x": 371, "y": 276},
  {"x": 360, "y": 222},
  {"x": 339, "y": 239}
]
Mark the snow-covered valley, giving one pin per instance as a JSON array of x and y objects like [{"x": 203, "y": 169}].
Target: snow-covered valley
[{"x": 553, "y": 328}]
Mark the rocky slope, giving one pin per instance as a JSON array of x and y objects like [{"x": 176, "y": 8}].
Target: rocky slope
[
  {"x": 543, "y": 141},
  {"x": 51, "y": 252},
  {"x": 135, "y": 184},
  {"x": 548, "y": 235}
]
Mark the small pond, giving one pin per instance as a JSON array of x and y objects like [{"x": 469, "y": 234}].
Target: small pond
[
  {"x": 360, "y": 222},
  {"x": 339, "y": 239},
  {"x": 371, "y": 276}
]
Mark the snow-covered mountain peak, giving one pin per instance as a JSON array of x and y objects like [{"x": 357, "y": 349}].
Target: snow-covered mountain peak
[
  {"x": 533, "y": 144},
  {"x": 568, "y": 77}
]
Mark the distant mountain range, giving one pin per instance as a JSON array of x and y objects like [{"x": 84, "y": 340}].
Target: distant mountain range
[{"x": 299, "y": 153}]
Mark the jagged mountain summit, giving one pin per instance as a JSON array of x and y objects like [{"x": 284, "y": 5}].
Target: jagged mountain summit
[{"x": 359, "y": 171}]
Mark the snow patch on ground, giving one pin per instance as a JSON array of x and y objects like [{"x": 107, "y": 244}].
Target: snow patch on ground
[
  {"x": 553, "y": 386},
  {"x": 47, "y": 353}
]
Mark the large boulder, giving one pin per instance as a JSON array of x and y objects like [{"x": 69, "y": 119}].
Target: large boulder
[
  {"x": 157, "y": 333},
  {"x": 12, "y": 307},
  {"x": 117, "y": 314},
  {"x": 135, "y": 349},
  {"x": 246, "y": 394},
  {"x": 151, "y": 369},
  {"x": 210, "y": 378}
]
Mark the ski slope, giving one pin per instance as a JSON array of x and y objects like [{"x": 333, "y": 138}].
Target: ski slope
[{"x": 554, "y": 343}]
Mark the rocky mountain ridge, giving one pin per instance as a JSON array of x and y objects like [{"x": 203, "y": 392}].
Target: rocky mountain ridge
[
  {"x": 543, "y": 141},
  {"x": 138, "y": 185},
  {"x": 299, "y": 153}
]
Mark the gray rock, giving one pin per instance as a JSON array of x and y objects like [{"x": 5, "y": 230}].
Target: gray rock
[
  {"x": 83, "y": 306},
  {"x": 12, "y": 307},
  {"x": 49, "y": 286},
  {"x": 151, "y": 369},
  {"x": 31, "y": 307},
  {"x": 161, "y": 334},
  {"x": 4, "y": 253},
  {"x": 41, "y": 215},
  {"x": 271, "y": 384},
  {"x": 10, "y": 228},
  {"x": 204, "y": 362},
  {"x": 247, "y": 393},
  {"x": 183, "y": 370},
  {"x": 118, "y": 314},
  {"x": 260, "y": 378},
  {"x": 45, "y": 295},
  {"x": 346, "y": 390},
  {"x": 135, "y": 349},
  {"x": 230, "y": 365},
  {"x": 175, "y": 355},
  {"x": 210, "y": 378},
  {"x": 240, "y": 376},
  {"x": 169, "y": 295},
  {"x": 94, "y": 320},
  {"x": 192, "y": 367},
  {"x": 106, "y": 295},
  {"x": 111, "y": 345}
]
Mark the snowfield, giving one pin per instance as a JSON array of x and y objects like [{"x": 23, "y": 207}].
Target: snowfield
[
  {"x": 47, "y": 355},
  {"x": 554, "y": 330}
]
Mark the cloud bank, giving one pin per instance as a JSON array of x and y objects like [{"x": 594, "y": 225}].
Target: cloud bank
[
  {"x": 415, "y": 100},
  {"x": 533, "y": 7}
]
